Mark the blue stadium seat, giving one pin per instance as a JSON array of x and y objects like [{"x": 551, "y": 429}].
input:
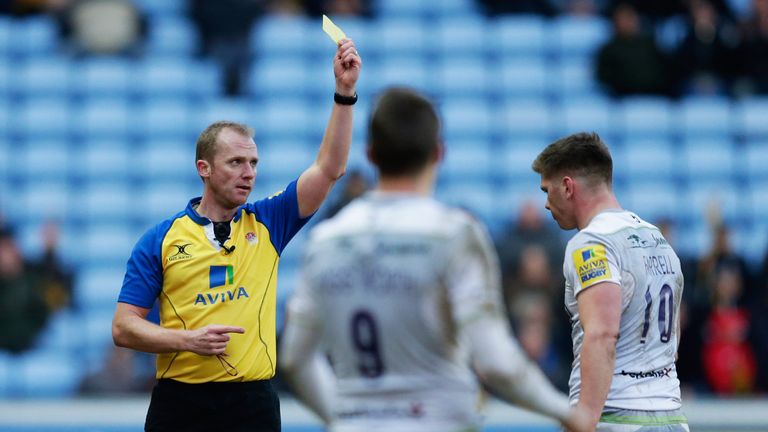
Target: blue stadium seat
[
  {"x": 41, "y": 199},
  {"x": 709, "y": 159},
  {"x": 34, "y": 36},
  {"x": 165, "y": 77},
  {"x": 168, "y": 160},
  {"x": 467, "y": 159},
  {"x": 520, "y": 35},
  {"x": 575, "y": 36},
  {"x": 173, "y": 36},
  {"x": 705, "y": 117},
  {"x": 286, "y": 118},
  {"x": 574, "y": 78},
  {"x": 453, "y": 8},
  {"x": 410, "y": 71},
  {"x": 465, "y": 76},
  {"x": 106, "y": 117},
  {"x": 166, "y": 118},
  {"x": 478, "y": 197},
  {"x": 750, "y": 241},
  {"x": 207, "y": 81},
  {"x": 97, "y": 338},
  {"x": 108, "y": 242},
  {"x": 162, "y": 200},
  {"x": 45, "y": 76},
  {"x": 165, "y": 8},
  {"x": 281, "y": 76},
  {"x": 652, "y": 200},
  {"x": 587, "y": 114},
  {"x": 462, "y": 36},
  {"x": 43, "y": 159},
  {"x": 524, "y": 78},
  {"x": 511, "y": 197},
  {"x": 694, "y": 237},
  {"x": 468, "y": 118},
  {"x": 514, "y": 162},
  {"x": 103, "y": 202},
  {"x": 105, "y": 160},
  {"x": 285, "y": 159},
  {"x": 42, "y": 117},
  {"x": 8, "y": 378},
  {"x": 404, "y": 8},
  {"x": 48, "y": 374},
  {"x": 527, "y": 118},
  {"x": 97, "y": 287},
  {"x": 646, "y": 160},
  {"x": 757, "y": 200},
  {"x": 104, "y": 77},
  {"x": 646, "y": 117},
  {"x": 8, "y": 77},
  {"x": 750, "y": 118},
  {"x": 6, "y": 35},
  {"x": 754, "y": 160},
  {"x": 60, "y": 332},
  {"x": 296, "y": 35},
  {"x": 727, "y": 197},
  {"x": 239, "y": 110},
  {"x": 399, "y": 37}
]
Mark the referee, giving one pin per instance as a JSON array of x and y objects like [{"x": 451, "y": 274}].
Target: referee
[{"x": 212, "y": 269}]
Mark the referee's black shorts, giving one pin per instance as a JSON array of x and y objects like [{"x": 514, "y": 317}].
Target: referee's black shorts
[{"x": 218, "y": 406}]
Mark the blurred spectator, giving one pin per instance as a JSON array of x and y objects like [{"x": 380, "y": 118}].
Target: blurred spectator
[
  {"x": 729, "y": 361},
  {"x": 30, "y": 291},
  {"x": 23, "y": 312},
  {"x": 101, "y": 26},
  {"x": 315, "y": 8},
  {"x": 354, "y": 185},
  {"x": 530, "y": 228},
  {"x": 499, "y": 7},
  {"x": 721, "y": 255},
  {"x": 125, "y": 371},
  {"x": 706, "y": 59},
  {"x": 224, "y": 27},
  {"x": 631, "y": 62},
  {"x": 532, "y": 322},
  {"x": 754, "y": 52}
]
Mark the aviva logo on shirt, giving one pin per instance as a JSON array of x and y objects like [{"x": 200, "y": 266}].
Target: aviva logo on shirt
[
  {"x": 591, "y": 264},
  {"x": 221, "y": 276}
]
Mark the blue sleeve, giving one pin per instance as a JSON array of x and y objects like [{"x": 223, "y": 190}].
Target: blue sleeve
[
  {"x": 280, "y": 213},
  {"x": 144, "y": 273}
]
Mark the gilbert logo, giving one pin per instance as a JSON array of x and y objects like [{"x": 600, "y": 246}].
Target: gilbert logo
[{"x": 181, "y": 252}]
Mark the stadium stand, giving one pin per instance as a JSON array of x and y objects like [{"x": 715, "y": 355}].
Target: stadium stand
[{"x": 105, "y": 145}]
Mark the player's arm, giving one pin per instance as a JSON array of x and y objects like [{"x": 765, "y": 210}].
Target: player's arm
[
  {"x": 305, "y": 369},
  {"x": 331, "y": 162},
  {"x": 504, "y": 369},
  {"x": 131, "y": 329},
  {"x": 600, "y": 315}
]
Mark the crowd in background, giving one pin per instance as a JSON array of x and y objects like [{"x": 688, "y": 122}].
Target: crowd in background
[{"x": 666, "y": 47}]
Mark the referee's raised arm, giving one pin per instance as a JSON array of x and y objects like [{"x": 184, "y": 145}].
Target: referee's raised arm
[{"x": 331, "y": 162}]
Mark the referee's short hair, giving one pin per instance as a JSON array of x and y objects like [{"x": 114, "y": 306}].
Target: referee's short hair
[
  {"x": 206, "y": 142},
  {"x": 403, "y": 132}
]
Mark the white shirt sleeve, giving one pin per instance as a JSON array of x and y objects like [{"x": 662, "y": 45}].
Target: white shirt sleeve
[{"x": 590, "y": 259}]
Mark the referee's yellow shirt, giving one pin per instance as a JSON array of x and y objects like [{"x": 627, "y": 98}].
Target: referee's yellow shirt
[{"x": 198, "y": 283}]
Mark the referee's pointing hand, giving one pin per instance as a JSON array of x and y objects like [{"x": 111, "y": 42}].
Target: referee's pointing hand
[{"x": 211, "y": 339}]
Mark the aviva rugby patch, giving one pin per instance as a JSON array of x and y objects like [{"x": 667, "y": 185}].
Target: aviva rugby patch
[{"x": 591, "y": 264}]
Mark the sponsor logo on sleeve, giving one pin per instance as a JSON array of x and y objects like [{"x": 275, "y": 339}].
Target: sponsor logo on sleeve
[
  {"x": 591, "y": 264},
  {"x": 181, "y": 252}
]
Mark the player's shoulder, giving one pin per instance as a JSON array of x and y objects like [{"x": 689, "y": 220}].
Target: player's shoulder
[{"x": 422, "y": 215}]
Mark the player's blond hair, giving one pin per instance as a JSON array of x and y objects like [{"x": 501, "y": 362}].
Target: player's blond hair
[{"x": 208, "y": 139}]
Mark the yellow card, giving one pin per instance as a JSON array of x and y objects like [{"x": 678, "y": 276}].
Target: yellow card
[{"x": 332, "y": 30}]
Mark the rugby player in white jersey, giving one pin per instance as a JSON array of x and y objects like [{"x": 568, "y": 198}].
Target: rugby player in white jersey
[
  {"x": 403, "y": 295},
  {"x": 623, "y": 287}
]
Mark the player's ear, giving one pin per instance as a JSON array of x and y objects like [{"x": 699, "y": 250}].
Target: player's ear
[
  {"x": 568, "y": 186},
  {"x": 203, "y": 168},
  {"x": 439, "y": 152}
]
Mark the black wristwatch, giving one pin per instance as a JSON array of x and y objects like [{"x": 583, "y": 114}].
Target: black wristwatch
[{"x": 344, "y": 100}]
